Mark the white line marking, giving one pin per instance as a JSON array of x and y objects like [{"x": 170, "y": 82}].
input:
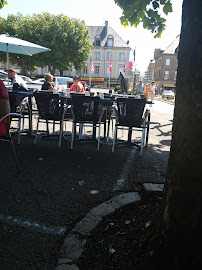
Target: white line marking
[
  {"x": 123, "y": 176},
  {"x": 53, "y": 230}
]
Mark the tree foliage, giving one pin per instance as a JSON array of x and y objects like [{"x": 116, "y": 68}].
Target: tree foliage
[
  {"x": 147, "y": 12},
  {"x": 2, "y": 3},
  {"x": 67, "y": 38}
]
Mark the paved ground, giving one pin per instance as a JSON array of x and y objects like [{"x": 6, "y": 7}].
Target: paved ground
[{"x": 57, "y": 187}]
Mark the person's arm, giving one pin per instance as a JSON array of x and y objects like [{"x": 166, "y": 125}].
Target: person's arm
[
  {"x": 79, "y": 87},
  {"x": 51, "y": 87},
  {"x": 72, "y": 87},
  {"x": 4, "y": 107}
]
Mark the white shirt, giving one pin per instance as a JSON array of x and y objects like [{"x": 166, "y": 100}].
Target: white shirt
[
  {"x": 152, "y": 88},
  {"x": 19, "y": 80}
]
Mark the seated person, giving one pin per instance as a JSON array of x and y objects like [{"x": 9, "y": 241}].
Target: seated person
[
  {"x": 77, "y": 86},
  {"x": 16, "y": 80},
  {"x": 48, "y": 84},
  {"x": 4, "y": 108}
]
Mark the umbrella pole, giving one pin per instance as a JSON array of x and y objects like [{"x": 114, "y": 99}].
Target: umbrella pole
[{"x": 7, "y": 56}]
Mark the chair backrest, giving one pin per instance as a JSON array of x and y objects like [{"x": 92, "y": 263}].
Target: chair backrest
[
  {"x": 130, "y": 111},
  {"x": 49, "y": 106},
  {"x": 15, "y": 98},
  {"x": 85, "y": 108}
]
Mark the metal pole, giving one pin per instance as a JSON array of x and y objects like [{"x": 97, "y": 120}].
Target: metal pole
[{"x": 7, "y": 56}]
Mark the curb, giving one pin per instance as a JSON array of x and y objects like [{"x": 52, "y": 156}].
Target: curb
[{"x": 75, "y": 241}]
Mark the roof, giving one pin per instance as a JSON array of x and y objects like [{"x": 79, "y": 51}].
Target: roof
[
  {"x": 171, "y": 49},
  {"x": 100, "y": 31}
]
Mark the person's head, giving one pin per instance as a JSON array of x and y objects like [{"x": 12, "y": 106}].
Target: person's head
[
  {"x": 140, "y": 82},
  {"x": 75, "y": 78},
  {"x": 11, "y": 73},
  {"x": 153, "y": 83},
  {"x": 48, "y": 77}
]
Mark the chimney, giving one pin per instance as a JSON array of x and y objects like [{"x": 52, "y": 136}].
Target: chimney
[
  {"x": 106, "y": 27},
  {"x": 157, "y": 52}
]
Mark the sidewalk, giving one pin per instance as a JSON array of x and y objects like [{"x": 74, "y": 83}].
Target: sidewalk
[{"x": 59, "y": 187}]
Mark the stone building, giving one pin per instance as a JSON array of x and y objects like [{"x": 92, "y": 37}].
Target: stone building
[
  {"x": 165, "y": 71},
  {"x": 106, "y": 44}
]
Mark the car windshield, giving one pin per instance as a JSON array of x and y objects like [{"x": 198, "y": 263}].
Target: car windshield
[
  {"x": 26, "y": 79},
  {"x": 3, "y": 76},
  {"x": 168, "y": 92}
]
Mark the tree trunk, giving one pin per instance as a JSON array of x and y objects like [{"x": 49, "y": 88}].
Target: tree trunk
[{"x": 174, "y": 240}]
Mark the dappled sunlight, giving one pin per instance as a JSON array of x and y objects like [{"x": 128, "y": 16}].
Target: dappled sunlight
[{"x": 94, "y": 192}]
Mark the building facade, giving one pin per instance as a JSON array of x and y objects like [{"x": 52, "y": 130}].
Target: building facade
[
  {"x": 107, "y": 44},
  {"x": 149, "y": 74},
  {"x": 165, "y": 71}
]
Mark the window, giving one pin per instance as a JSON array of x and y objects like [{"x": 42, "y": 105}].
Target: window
[
  {"x": 97, "y": 70},
  {"x": 85, "y": 70},
  {"x": 122, "y": 56},
  {"x": 109, "y": 54},
  {"x": 175, "y": 78},
  {"x": 121, "y": 69},
  {"x": 97, "y": 41},
  {"x": 168, "y": 62},
  {"x": 108, "y": 73},
  {"x": 166, "y": 77},
  {"x": 97, "y": 55},
  {"x": 110, "y": 41}
]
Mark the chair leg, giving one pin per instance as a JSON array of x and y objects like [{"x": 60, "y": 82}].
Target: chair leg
[
  {"x": 61, "y": 132},
  {"x": 80, "y": 131},
  {"x": 142, "y": 141},
  {"x": 98, "y": 145},
  {"x": 36, "y": 131},
  {"x": 115, "y": 134},
  {"x": 147, "y": 135},
  {"x": 108, "y": 130},
  {"x": 19, "y": 130},
  {"x": 47, "y": 127},
  {"x": 54, "y": 127},
  {"x": 15, "y": 156},
  {"x": 73, "y": 129}
]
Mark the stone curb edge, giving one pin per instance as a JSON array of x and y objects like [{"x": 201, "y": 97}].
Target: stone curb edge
[{"x": 75, "y": 241}]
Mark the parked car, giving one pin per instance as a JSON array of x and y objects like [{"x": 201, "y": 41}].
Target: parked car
[
  {"x": 4, "y": 77},
  {"x": 168, "y": 94},
  {"x": 40, "y": 80},
  {"x": 26, "y": 79},
  {"x": 59, "y": 81}
]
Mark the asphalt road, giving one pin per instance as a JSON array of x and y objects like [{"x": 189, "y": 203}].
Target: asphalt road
[{"x": 57, "y": 187}]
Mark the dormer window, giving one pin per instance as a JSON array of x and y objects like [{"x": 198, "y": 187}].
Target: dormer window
[
  {"x": 110, "y": 41},
  {"x": 97, "y": 41}
]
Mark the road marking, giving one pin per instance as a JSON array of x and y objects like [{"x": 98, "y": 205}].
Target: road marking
[
  {"x": 123, "y": 176},
  {"x": 35, "y": 226}
]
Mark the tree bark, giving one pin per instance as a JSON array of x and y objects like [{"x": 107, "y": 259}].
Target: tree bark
[{"x": 174, "y": 240}]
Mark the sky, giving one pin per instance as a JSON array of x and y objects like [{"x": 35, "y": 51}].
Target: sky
[{"x": 96, "y": 12}]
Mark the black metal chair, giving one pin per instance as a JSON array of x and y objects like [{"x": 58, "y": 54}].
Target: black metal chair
[
  {"x": 50, "y": 108},
  {"x": 20, "y": 105},
  {"x": 131, "y": 115},
  {"x": 86, "y": 111},
  {"x": 7, "y": 137}
]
